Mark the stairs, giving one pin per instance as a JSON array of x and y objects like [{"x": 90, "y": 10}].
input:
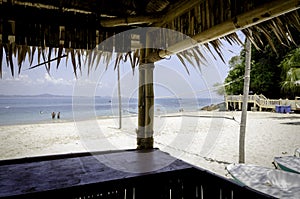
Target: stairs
[{"x": 260, "y": 101}]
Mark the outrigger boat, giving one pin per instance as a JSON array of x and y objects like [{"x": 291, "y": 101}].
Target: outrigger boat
[
  {"x": 289, "y": 163},
  {"x": 274, "y": 182}
]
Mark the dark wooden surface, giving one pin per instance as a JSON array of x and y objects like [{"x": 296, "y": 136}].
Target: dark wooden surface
[
  {"x": 126, "y": 174},
  {"x": 63, "y": 171}
]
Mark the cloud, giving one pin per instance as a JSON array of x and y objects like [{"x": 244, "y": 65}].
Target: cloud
[
  {"x": 23, "y": 79},
  {"x": 29, "y": 84},
  {"x": 47, "y": 79}
]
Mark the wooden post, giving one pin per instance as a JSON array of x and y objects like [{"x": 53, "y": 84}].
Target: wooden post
[
  {"x": 226, "y": 102},
  {"x": 141, "y": 107},
  {"x": 149, "y": 117},
  {"x": 145, "y": 107},
  {"x": 146, "y": 98},
  {"x": 245, "y": 103},
  {"x": 120, "y": 98}
]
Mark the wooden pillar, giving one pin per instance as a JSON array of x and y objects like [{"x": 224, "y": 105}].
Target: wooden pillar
[
  {"x": 226, "y": 102},
  {"x": 145, "y": 107},
  {"x": 146, "y": 97},
  {"x": 141, "y": 108},
  {"x": 149, "y": 117}
]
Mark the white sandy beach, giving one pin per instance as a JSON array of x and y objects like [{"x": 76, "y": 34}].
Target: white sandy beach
[{"x": 206, "y": 139}]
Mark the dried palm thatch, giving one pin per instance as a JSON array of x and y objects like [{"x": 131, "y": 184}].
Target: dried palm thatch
[
  {"x": 195, "y": 56},
  {"x": 280, "y": 26},
  {"x": 46, "y": 55},
  {"x": 261, "y": 35}
]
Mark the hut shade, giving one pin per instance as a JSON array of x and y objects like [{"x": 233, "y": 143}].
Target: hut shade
[{"x": 78, "y": 26}]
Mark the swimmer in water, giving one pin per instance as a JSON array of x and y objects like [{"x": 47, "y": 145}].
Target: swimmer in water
[{"x": 53, "y": 115}]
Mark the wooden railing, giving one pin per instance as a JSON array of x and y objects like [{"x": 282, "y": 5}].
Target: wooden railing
[
  {"x": 262, "y": 102},
  {"x": 82, "y": 176}
]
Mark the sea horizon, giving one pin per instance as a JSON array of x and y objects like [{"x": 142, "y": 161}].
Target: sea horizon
[{"x": 32, "y": 109}]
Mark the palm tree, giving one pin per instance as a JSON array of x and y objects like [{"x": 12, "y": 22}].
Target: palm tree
[
  {"x": 291, "y": 72},
  {"x": 245, "y": 103}
]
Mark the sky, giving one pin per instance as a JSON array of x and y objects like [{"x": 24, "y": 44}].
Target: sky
[{"x": 170, "y": 78}]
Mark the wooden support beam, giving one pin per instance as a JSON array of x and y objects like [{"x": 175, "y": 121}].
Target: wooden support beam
[
  {"x": 129, "y": 21},
  {"x": 141, "y": 107},
  {"x": 145, "y": 107},
  {"x": 177, "y": 10},
  {"x": 149, "y": 101},
  {"x": 146, "y": 99},
  {"x": 253, "y": 17}
]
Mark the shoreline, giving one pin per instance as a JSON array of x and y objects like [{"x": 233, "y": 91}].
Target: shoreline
[
  {"x": 99, "y": 117},
  {"x": 206, "y": 139},
  {"x": 40, "y": 112}
]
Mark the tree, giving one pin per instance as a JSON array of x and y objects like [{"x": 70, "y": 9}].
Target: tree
[
  {"x": 236, "y": 64},
  {"x": 291, "y": 72},
  {"x": 269, "y": 72},
  {"x": 245, "y": 102},
  {"x": 219, "y": 89}
]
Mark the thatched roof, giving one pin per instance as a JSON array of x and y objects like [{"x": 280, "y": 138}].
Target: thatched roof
[{"x": 71, "y": 28}]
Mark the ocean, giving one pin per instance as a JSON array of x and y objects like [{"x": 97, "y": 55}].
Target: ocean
[{"x": 38, "y": 109}]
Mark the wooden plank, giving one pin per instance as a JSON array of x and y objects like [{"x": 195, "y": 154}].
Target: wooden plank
[
  {"x": 58, "y": 173},
  {"x": 129, "y": 21},
  {"x": 83, "y": 176}
]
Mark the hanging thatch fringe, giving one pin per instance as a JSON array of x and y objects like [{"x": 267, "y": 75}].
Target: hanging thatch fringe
[
  {"x": 60, "y": 51},
  {"x": 195, "y": 57},
  {"x": 1, "y": 57},
  {"x": 181, "y": 59},
  {"x": 280, "y": 27},
  {"x": 78, "y": 58}
]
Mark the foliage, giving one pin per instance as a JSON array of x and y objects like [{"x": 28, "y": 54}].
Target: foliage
[
  {"x": 291, "y": 72},
  {"x": 237, "y": 66},
  {"x": 219, "y": 89},
  {"x": 274, "y": 74}
]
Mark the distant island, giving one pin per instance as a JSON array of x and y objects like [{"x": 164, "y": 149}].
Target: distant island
[
  {"x": 47, "y": 95},
  {"x": 40, "y": 95}
]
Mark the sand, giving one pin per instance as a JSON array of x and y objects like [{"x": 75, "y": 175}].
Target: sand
[{"x": 207, "y": 139}]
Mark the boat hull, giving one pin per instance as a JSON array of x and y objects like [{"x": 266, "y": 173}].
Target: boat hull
[
  {"x": 274, "y": 182},
  {"x": 288, "y": 163}
]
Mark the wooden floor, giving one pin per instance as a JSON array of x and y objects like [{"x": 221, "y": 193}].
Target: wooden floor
[
  {"x": 56, "y": 172},
  {"x": 114, "y": 174}
]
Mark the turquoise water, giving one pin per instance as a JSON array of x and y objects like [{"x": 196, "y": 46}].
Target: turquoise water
[{"x": 38, "y": 109}]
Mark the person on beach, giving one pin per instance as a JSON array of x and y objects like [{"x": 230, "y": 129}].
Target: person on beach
[
  {"x": 58, "y": 115},
  {"x": 53, "y": 115}
]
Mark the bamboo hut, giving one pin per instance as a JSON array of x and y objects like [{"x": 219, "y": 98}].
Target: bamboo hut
[{"x": 70, "y": 28}]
